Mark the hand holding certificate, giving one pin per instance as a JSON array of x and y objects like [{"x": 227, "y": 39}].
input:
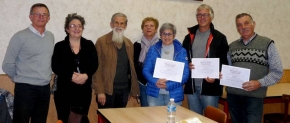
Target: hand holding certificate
[
  {"x": 205, "y": 67},
  {"x": 170, "y": 70},
  {"x": 234, "y": 76}
]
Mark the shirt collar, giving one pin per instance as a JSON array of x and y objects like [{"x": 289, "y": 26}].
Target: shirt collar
[
  {"x": 247, "y": 42},
  {"x": 37, "y": 32}
]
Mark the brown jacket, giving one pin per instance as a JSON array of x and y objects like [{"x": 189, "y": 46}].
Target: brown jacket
[{"x": 107, "y": 56}]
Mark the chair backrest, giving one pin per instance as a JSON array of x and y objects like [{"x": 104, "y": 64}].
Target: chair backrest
[
  {"x": 215, "y": 114},
  {"x": 286, "y": 99}
]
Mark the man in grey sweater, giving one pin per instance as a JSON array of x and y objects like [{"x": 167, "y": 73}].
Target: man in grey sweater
[
  {"x": 259, "y": 54},
  {"x": 28, "y": 64}
]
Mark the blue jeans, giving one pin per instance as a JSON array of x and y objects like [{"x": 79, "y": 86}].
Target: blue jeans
[
  {"x": 143, "y": 96},
  {"x": 244, "y": 109},
  {"x": 30, "y": 101},
  {"x": 161, "y": 100},
  {"x": 197, "y": 102}
]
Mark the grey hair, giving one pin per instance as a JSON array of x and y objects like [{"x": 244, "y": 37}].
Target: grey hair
[
  {"x": 72, "y": 16},
  {"x": 119, "y": 15},
  {"x": 244, "y": 14},
  {"x": 209, "y": 8},
  {"x": 167, "y": 26}
]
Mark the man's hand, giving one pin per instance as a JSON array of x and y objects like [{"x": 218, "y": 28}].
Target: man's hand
[
  {"x": 102, "y": 99},
  {"x": 251, "y": 85},
  {"x": 191, "y": 66},
  {"x": 209, "y": 80}
]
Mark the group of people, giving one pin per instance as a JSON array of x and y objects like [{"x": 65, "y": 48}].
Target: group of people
[{"x": 118, "y": 70}]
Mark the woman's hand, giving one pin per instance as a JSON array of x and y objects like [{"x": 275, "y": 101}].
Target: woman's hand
[
  {"x": 161, "y": 83},
  {"x": 79, "y": 78}
]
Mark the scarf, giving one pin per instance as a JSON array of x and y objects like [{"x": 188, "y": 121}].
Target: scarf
[{"x": 145, "y": 45}]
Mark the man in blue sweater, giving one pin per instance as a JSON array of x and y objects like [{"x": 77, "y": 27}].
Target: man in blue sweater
[
  {"x": 259, "y": 54},
  {"x": 27, "y": 63}
]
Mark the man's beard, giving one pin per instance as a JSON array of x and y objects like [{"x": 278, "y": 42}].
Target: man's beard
[{"x": 118, "y": 36}]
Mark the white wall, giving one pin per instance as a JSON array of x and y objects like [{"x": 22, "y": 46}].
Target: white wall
[{"x": 271, "y": 16}]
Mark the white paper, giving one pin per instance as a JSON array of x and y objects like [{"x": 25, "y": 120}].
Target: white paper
[
  {"x": 190, "y": 120},
  {"x": 234, "y": 76},
  {"x": 168, "y": 69},
  {"x": 205, "y": 67}
]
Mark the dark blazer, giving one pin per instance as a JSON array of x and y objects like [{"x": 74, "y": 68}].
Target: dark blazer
[
  {"x": 63, "y": 64},
  {"x": 218, "y": 49}
]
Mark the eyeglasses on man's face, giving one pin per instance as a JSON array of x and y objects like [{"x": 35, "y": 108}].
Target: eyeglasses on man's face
[
  {"x": 40, "y": 15},
  {"x": 205, "y": 15},
  {"x": 75, "y": 26}
]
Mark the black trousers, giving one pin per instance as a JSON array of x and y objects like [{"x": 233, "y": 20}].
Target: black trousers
[
  {"x": 65, "y": 100},
  {"x": 119, "y": 99},
  {"x": 30, "y": 103}
]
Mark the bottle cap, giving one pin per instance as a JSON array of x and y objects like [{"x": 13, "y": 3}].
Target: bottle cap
[{"x": 172, "y": 99}]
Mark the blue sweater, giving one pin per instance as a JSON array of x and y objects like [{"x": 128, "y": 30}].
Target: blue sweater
[
  {"x": 175, "y": 88},
  {"x": 28, "y": 58}
]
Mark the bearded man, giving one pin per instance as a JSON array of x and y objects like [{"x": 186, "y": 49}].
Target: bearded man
[{"x": 115, "y": 80}]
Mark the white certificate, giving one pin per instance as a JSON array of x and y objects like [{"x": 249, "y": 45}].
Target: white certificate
[
  {"x": 168, "y": 69},
  {"x": 205, "y": 67},
  {"x": 234, "y": 76}
]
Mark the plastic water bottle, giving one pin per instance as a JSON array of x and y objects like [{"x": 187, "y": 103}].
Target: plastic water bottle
[{"x": 171, "y": 111}]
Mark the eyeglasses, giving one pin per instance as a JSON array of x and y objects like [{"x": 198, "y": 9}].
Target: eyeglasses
[
  {"x": 202, "y": 15},
  {"x": 40, "y": 15},
  {"x": 166, "y": 34},
  {"x": 75, "y": 26}
]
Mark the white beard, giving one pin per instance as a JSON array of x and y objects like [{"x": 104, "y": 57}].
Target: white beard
[{"x": 118, "y": 36}]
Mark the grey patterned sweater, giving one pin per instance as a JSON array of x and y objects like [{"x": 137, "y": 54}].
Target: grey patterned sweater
[{"x": 257, "y": 56}]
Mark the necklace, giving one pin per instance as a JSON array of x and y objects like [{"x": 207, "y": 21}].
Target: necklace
[
  {"x": 166, "y": 52},
  {"x": 167, "y": 49}
]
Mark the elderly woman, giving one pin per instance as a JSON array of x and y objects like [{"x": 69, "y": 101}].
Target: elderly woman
[
  {"x": 159, "y": 90},
  {"x": 150, "y": 37},
  {"x": 74, "y": 61}
]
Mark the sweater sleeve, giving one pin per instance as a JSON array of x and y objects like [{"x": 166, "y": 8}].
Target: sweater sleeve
[
  {"x": 11, "y": 55},
  {"x": 55, "y": 60},
  {"x": 59, "y": 62},
  {"x": 275, "y": 66}
]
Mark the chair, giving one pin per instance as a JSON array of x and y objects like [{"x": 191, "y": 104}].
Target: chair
[
  {"x": 215, "y": 114},
  {"x": 59, "y": 121},
  {"x": 279, "y": 117}
]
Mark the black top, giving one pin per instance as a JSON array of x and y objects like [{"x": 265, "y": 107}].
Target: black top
[
  {"x": 217, "y": 49},
  {"x": 64, "y": 63},
  {"x": 138, "y": 65},
  {"x": 121, "y": 80}
]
